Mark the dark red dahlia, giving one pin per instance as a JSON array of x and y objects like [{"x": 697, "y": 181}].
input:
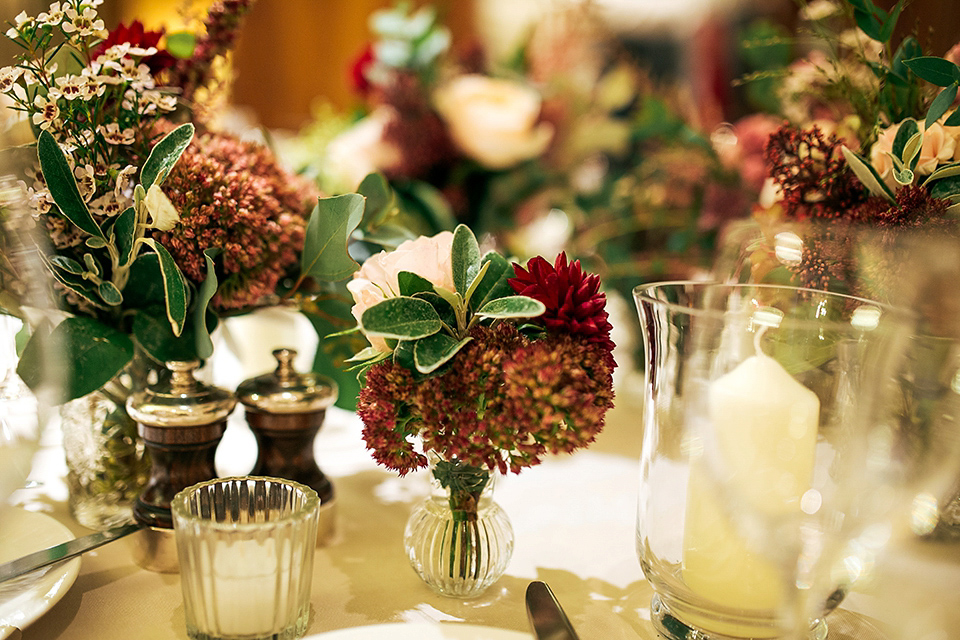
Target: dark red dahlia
[
  {"x": 137, "y": 36},
  {"x": 573, "y": 299}
]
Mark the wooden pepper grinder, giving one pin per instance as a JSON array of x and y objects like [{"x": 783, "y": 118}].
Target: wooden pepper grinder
[
  {"x": 285, "y": 410},
  {"x": 181, "y": 421}
]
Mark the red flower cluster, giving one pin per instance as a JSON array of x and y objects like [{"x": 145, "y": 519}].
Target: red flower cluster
[
  {"x": 505, "y": 401},
  {"x": 234, "y": 195},
  {"x": 137, "y": 36},
  {"x": 812, "y": 174},
  {"x": 573, "y": 299}
]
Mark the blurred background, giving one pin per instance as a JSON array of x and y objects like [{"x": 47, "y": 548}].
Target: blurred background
[{"x": 294, "y": 52}]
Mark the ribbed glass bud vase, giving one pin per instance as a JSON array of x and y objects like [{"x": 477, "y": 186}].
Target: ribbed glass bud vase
[{"x": 458, "y": 539}]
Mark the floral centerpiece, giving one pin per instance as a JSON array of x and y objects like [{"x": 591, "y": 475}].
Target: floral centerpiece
[
  {"x": 566, "y": 146},
  {"x": 867, "y": 157},
  {"x": 151, "y": 230},
  {"x": 475, "y": 366}
]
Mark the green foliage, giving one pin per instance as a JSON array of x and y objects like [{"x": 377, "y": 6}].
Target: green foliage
[
  {"x": 181, "y": 44},
  {"x": 325, "y": 256},
  {"x": 63, "y": 186},
  {"x": 94, "y": 352},
  {"x": 431, "y": 323},
  {"x": 165, "y": 154},
  {"x": 174, "y": 286}
]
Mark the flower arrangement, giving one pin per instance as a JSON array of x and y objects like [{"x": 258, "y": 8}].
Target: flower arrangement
[
  {"x": 870, "y": 139},
  {"x": 155, "y": 229},
  {"x": 566, "y": 146},
  {"x": 489, "y": 366}
]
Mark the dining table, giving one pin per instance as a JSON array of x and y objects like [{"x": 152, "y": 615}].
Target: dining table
[{"x": 574, "y": 523}]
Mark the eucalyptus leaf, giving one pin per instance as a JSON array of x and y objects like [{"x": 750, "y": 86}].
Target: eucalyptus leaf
[
  {"x": 890, "y": 23},
  {"x": 208, "y": 288},
  {"x": 381, "y": 199},
  {"x": 402, "y": 318},
  {"x": 109, "y": 293},
  {"x": 328, "y": 316},
  {"x": 465, "y": 258},
  {"x": 164, "y": 155},
  {"x": 63, "y": 186},
  {"x": 325, "y": 256},
  {"x": 953, "y": 120},
  {"x": 934, "y": 70},
  {"x": 124, "y": 233},
  {"x": 154, "y": 334},
  {"x": 867, "y": 175},
  {"x": 389, "y": 236},
  {"x": 92, "y": 354},
  {"x": 412, "y": 284},
  {"x": 432, "y": 352},
  {"x": 512, "y": 307},
  {"x": 940, "y": 104},
  {"x": 174, "y": 286}
]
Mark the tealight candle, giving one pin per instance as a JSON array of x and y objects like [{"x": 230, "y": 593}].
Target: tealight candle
[
  {"x": 764, "y": 426},
  {"x": 246, "y": 549}
]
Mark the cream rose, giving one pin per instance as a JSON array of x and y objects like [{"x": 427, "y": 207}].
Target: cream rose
[
  {"x": 938, "y": 147},
  {"x": 493, "y": 121},
  {"x": 429, "y": 258}
]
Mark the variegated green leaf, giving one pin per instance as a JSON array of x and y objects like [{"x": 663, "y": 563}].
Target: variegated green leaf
[
  {"x": 512, "y": 307},
  {"x": 204, "y": 295},
  {"x": 867, "y": 175},
  {"x": 401, "y": 318},
  {"x": 174, "y": 286},
  {"x": 432, "y": 352},
  {"x": 944, "y": 171},
  {"x": 124, "y": 233},
  {"x": 465, "y": 258},
  {"x": 63, "y": 186},
  {"x": 165, "y": 154},
  {"x": 109, "y": 293},
  {"x": 412, "y": 284},
  {"x": 67, "y": 265},
  {"x": 494, "y": 283}
]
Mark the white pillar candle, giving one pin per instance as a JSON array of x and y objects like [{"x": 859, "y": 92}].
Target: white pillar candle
[{"x": 764, "y": 425}]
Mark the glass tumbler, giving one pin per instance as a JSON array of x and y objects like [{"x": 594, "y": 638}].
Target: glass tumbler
[
  {"x": 246, "y": 548},
  {"x": 755, "y": 453}
]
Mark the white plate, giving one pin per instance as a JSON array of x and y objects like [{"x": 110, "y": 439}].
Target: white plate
[
  {"x": 24, "y": 599},
  {"x": 421, "y": 631}
]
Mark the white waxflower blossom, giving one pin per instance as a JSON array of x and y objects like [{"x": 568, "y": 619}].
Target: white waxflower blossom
[
  {"x": 48, "y": 112},
  {"x": 19, "y": 22},
  {"x": 108, "y": 206},
  {"x": 86, "y": 181},
  {"x": 9, "y": 77},
  {"x": 112, "y": 133},
  {"x": 125, "y": 182},
  {"x": 53, "y": 17},
  {"x": 71, "y": 87},
  {"x": 83, "y": 24}
]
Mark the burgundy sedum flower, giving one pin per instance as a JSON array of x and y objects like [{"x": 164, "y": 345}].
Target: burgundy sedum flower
[{"x": 573, "y": 299}]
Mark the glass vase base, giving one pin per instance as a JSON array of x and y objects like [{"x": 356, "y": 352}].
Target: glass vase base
[
  {"x": 99, "y": 511},
  {"x": 671, "y": 627}
]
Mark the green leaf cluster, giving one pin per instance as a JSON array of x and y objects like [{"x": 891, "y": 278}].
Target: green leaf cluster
[
  {"x": 431, "y": 324},
  {"x": 128, "y": 279}
]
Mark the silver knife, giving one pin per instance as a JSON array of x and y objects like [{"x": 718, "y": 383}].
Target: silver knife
[
  {"x": 547, "y": 618},
  {"x": 63, "y": 551}
]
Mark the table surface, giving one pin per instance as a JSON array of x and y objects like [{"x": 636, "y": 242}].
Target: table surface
[{"x": 573, "y": 518}]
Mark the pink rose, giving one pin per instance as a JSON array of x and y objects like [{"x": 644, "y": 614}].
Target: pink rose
[
  {"x": 492, "y": 120},
  {"x": 938, "y": 147},
  {"x": 429, "y": 258}
]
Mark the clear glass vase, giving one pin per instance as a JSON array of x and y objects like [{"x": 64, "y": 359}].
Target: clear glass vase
[
  {"x": 458, "y": 539},
  {"x": 107, "y": 464}
]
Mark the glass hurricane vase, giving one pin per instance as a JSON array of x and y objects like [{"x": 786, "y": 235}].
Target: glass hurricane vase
[
  {"x": 107, "y": 464},
  {"x": 458, "y": 539}
]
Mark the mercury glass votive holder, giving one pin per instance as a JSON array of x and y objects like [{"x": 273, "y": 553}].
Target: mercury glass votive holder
[{"x": 246, "y": 548}]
